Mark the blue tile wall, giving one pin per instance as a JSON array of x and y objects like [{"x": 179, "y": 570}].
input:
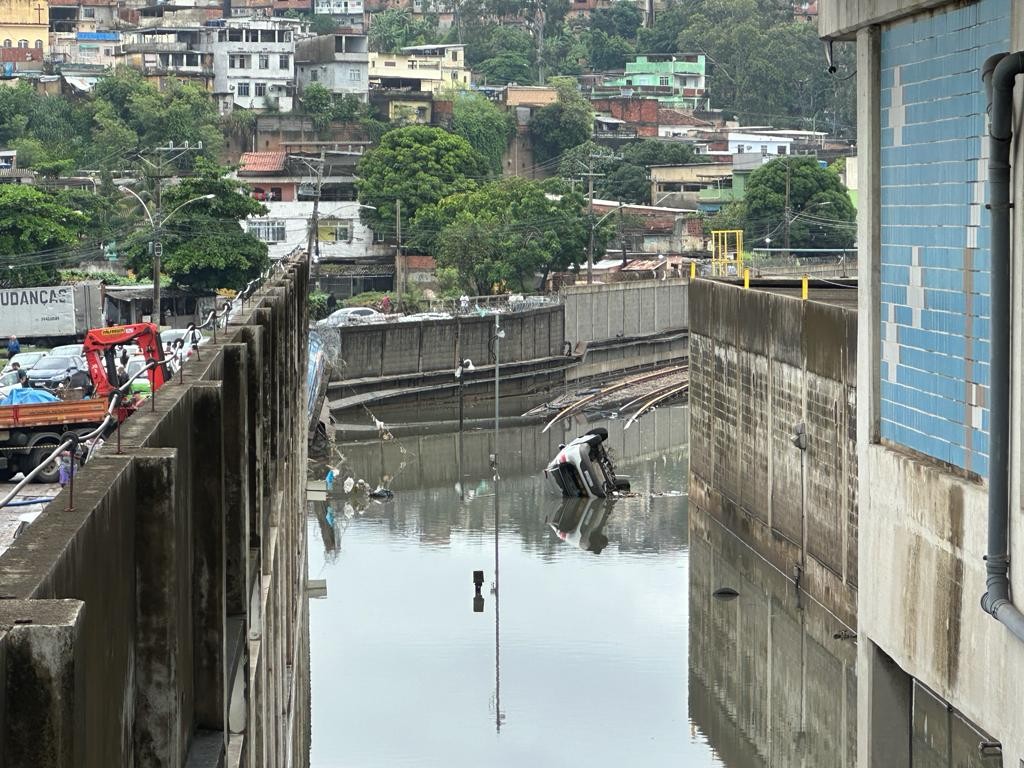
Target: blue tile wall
[{"x": 935, "y": 231}]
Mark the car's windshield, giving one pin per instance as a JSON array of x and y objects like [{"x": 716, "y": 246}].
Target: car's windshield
[
  {"x": 134, "y": 366},
  {"x": 28, "y": 358},
  {"x": 54, "y": 364},
  {"x": 68, "y": 349}
]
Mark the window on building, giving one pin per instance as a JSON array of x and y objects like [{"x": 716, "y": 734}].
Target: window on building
[
  {"x": 252, "y": 35},
  {"x": 455, "y": 55},
  {"x": 314, "y": 74},
  {"x": 353, "y": 75},
  {"x": 389, "y": 64},
  {"x": 108, "y": 51},
  {"x": 286, "y": 37},
  {"x": 267, "y": 230},
  {"x": 88, "y": 13},
  {"x": 7, "y": 43},
  {"x": 264, "y": 61},
  {"x": 782, "y": 149},
  {"x": 336, "y": 230},
  {"x": 275, "y": 193},
  {"x": 235, "y": 35},
  {"x": 285, "y": 61},
  {"x": 222, "y": 36},
  {"x": 764, "y": 150},
  {"x": 242, "y": 89},
  {"x": 23, "y": 43},
  {"x": 663, "y": 80},
  {"x": 260, "y": 90},
  {"x": 268, "y": 36},
  {"x": 238, "y": 61},
  {"x": 39, "y": 44}
]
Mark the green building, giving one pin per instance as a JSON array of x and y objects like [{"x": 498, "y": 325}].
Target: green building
[{"x": 676, "y": 80}]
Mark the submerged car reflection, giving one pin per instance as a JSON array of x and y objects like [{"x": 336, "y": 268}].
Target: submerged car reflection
[{"x": 580, "y": 522}]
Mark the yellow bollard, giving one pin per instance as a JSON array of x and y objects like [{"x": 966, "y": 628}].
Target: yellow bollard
[
  {"x": 746, "y": 277},
  {"x": 803, "y": 289},
  {"x": 693, "y": 270}
]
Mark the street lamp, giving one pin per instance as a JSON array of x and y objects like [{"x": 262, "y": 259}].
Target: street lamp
[{"x": 156, "y": 223}]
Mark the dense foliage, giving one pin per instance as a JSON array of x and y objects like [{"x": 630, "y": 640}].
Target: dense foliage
[
  {"x": 484, "y": 125},
  {"x": 414, "y": 166},
  {"x": 35, "y": 231},
  {"x": 561, "y": 126},
  {"x": 820, "y": 213},
  {"x": 503, "y": 234},
  {"x": 203, "y": 246}
]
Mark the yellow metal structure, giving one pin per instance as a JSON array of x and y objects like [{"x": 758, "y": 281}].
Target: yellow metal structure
[{"x": 726, "y": 252}]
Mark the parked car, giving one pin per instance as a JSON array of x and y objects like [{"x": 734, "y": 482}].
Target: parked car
[
  {"x": 68, "y": 350},
  {"x": 8, "y": 381},
  {"x": 25, "y": 359},
  {"x": 141, "y": 384},
  {"x": 172, "y": 335},
  {"x": 351, "y": 316},
  {"x": 52, "y": 372}
]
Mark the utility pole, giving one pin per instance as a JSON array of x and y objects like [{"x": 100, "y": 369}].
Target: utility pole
[
  {"x": 785, "y": 213},
  {"x": 399, "y": 266},
  {"x": 590, "y": 196},
  {"x": 622, "y": 232},
  {"x": 313, "y": 247},
  {"x": 159, "y": 165}
]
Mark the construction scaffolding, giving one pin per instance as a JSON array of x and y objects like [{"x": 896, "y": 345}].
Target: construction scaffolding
[{"x": 726, "y": 252}]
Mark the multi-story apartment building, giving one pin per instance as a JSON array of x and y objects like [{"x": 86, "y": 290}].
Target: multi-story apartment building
[
  {"x": 254, "y": 61},
  {"x": 676, "y": 80},
  {"x": 92, "y": 48},
  {"x": 339, "y": 62},
  {"x": 168, "y": 53},
  {"x": 404, "y": 85}
]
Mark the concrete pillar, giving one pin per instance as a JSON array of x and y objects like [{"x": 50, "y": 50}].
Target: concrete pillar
[
  {"x": 235, "y": 411},
  {"x": 42, "y": 713},
  {"x": 163, "y": 617},
  {"x": 884, "y": 705},
  {"x": 869, "y": 138},
  {"x": 209, "y": 608}
]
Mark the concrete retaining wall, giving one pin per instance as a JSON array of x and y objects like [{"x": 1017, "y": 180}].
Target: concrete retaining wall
[
  {"x": 624, "y": 310},
  {"x": 759, "y": 364},
  {"x": 158, "y": 617},
  {"x": 371, "y": 351}
]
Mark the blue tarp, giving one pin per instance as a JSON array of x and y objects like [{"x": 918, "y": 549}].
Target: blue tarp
[{"x": 26, "y": 396}]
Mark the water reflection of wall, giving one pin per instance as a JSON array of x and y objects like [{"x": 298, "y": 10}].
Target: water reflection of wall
[
  {"x": 432, "y": 460},
  {"x": 428, "y": 507},
  {"x": 769, "y": 684}
]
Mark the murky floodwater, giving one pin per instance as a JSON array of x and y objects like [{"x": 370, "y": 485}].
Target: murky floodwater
[{"x": 607, "y": 648}]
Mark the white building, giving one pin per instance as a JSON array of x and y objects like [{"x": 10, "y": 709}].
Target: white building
[
  {"x": 254, "y": 61},
  {"x": 348, "y": 13},
  {"x": 341, "y": 233},
  {"x": 763, "y": 143},
  {"x": 339, "y": 62}
]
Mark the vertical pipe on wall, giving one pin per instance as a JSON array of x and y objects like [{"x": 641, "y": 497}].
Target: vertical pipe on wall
[{"x": 999, "y": 74}]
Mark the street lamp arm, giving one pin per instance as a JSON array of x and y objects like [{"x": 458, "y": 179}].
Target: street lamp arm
[
  {"x": 142, "y": 202},
  {"x": 187, "y": 202}
]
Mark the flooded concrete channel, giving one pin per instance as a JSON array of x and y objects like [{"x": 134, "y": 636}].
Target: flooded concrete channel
[{"x": 605, "y": 643}]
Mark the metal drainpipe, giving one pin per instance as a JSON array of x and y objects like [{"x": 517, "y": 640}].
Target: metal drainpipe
[{"x": 999, "y": 74}]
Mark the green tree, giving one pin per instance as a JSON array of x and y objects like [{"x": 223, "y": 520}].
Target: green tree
[
  {"x": 820, "y": 213},
  {"x": 411, "y": 167},
  {"x": 505, "y": 234},
  {"x": 36, "y": 232},
  {"x": 620, "y": 20},
  {"x": 396, "y": 28},
  {"x": 486, "y": 127},
  {"x": 203, "y": 246},
  {"x": 608, "y": 51},
  {"x": 506, "y": 68},
  {"x": 563, "y": 125}
]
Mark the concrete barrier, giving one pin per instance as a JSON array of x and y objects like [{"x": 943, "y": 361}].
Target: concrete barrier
[
  {"x": 158, "y": 617},
  {"x": 760, "y": 363},
  {"x": 427, "y": 346},
  {"x": 627, "y": 309}
]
